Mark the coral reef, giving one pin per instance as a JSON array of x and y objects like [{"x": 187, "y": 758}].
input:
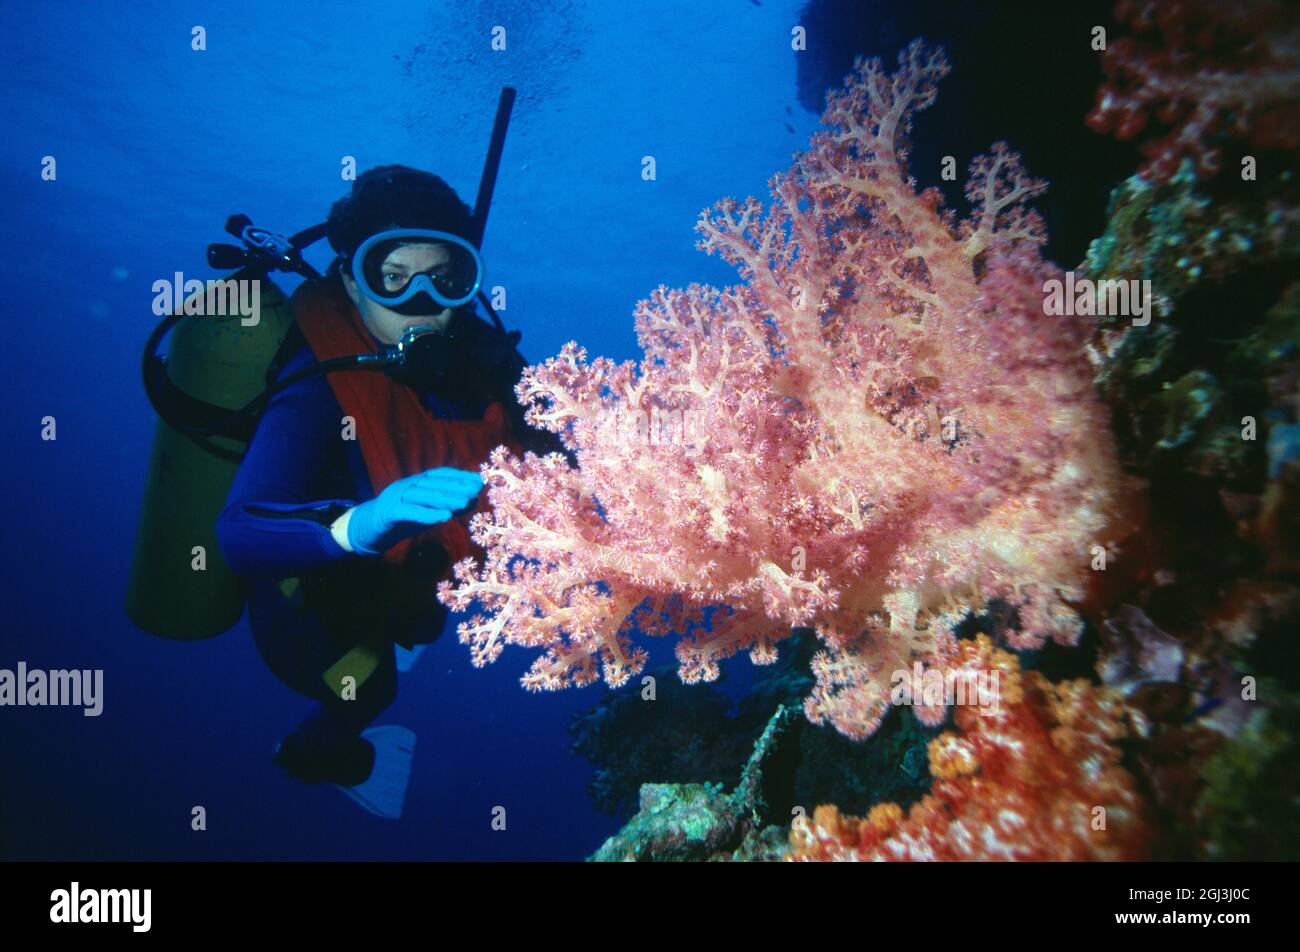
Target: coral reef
[
  {"x": 1206, "y": 405},
  {"x": 692, "y": 734},
  {"x": 687, "y": 734},
  {"x": 873, "y": 435},
  {"x": 679, "y": 822},
  {"x": 1188, "y": 732},
  {"x": 1246, "y": 808},
  {"x": 880, "y": 444},
  {"x": 1222, "y": 343},
  {"x": 1201, "y": 72},
  {"x": 1039, "y": 779},
  {"x": 1202, "y": 744}
]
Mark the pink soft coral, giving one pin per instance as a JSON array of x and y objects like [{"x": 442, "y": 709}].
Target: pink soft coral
[{"x": 875, "y": 433}]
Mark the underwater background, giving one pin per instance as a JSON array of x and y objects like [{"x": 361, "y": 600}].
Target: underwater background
[{"x": 156, "y": 144}]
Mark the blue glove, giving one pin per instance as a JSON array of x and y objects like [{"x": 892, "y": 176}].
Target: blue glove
[{"x": 409, "y": 506}]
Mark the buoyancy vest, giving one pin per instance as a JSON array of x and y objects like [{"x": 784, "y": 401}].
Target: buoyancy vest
[{"x": 399, "y": 436}]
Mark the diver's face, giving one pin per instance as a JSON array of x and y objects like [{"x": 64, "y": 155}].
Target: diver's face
[{"x": 402, "y": 263}]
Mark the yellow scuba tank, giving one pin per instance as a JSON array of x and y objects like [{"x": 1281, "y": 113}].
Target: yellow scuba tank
[{"x": 180, "y": 585}]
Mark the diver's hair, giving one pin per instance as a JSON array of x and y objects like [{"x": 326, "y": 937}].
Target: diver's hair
[{"x": 395, "y": 196}]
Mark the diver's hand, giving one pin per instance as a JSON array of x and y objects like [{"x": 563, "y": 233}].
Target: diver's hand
[{"x": 408, "y": 507}]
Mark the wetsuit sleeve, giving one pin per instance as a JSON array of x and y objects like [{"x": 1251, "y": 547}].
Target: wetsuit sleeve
[{"x": 285, "y": 494}]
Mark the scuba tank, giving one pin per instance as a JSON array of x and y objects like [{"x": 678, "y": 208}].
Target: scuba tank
[
  {"x": 180, "y": 585},
  {"x": 209, "y": 389}
]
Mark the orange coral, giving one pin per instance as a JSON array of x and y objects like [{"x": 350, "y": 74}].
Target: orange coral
[{"x": 1022, "y": 783}]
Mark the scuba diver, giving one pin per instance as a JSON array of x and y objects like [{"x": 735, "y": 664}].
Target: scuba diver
[
  {"x": 316, "y": 463},
  {"x": 353, "y": 498}
]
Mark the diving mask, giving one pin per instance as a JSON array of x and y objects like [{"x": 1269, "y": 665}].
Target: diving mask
[{"x": 417, "y": 270}]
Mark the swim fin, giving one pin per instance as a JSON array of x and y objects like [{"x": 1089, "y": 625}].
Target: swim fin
[{"x": 384, "y": 793}]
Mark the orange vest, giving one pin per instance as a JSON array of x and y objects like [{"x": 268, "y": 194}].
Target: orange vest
[{"x": 398, "y": 436}]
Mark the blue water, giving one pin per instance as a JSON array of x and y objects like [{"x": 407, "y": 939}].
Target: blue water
[{"x": 156, "y": 144}]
